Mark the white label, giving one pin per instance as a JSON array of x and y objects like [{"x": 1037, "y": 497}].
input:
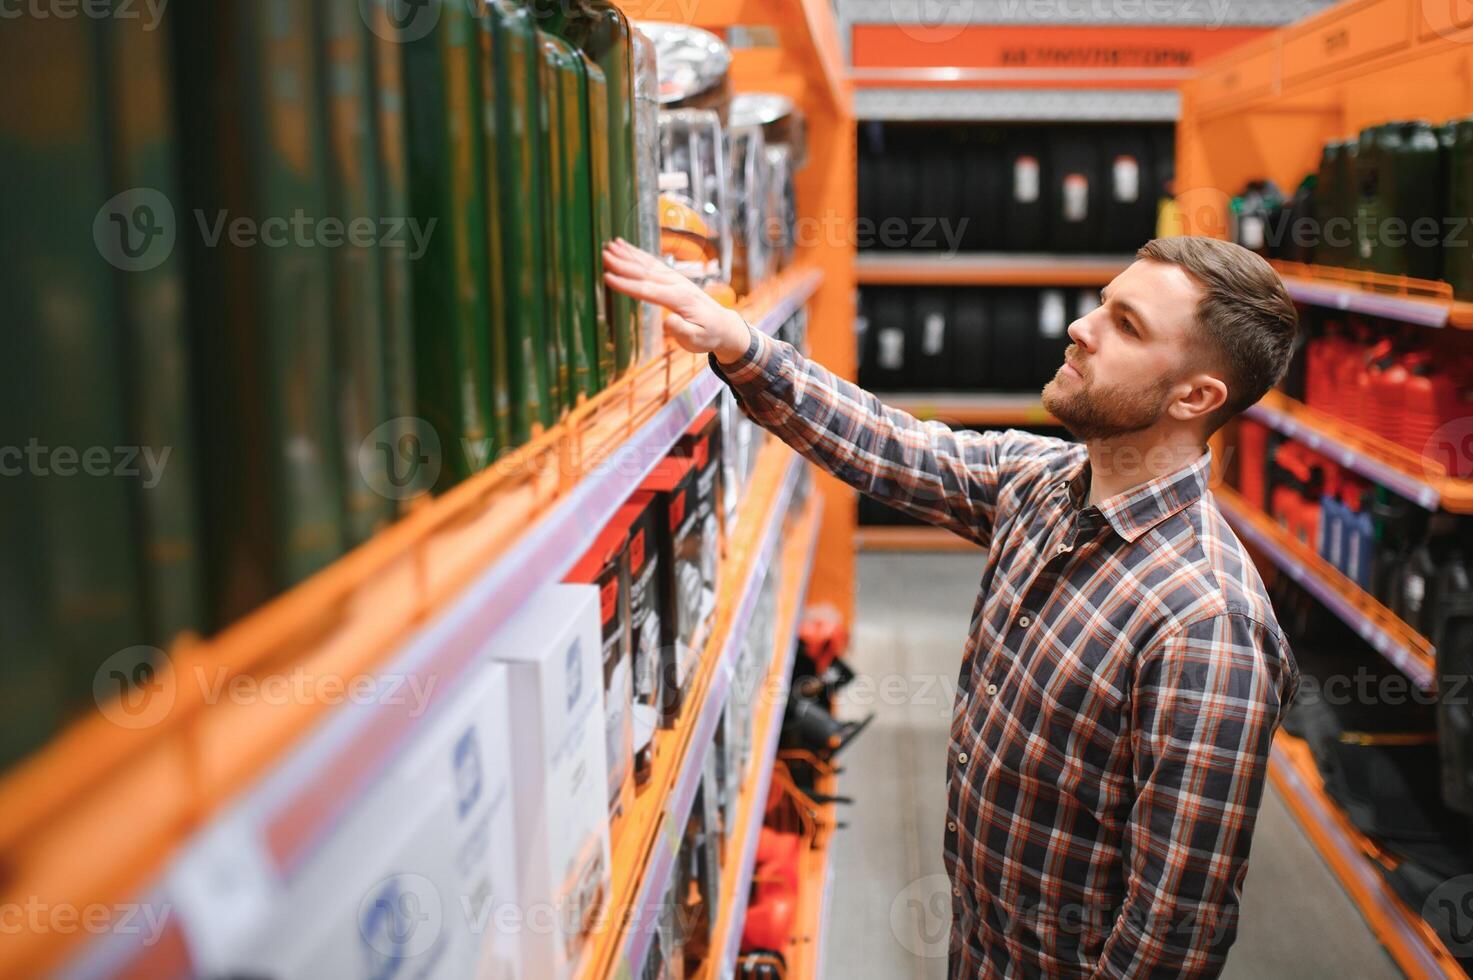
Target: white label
[
  {"x": 1086, "y": 303},
  {"x": 933, "y": 334},
  {"x": 1127, "y": 179},
  {"x": 1415, "y": 591},
  {"x": 1025, "y": 180},
  {"x": 1076, "y": 198},
  {"x": 224, "y": 888},
  {"x": 1051, "y": 314},
  {"x": 892, "y": 349},
  {"x": 1250, "y": 230}
]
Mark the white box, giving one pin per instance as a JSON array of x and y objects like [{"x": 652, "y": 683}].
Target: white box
[
  {"x": 559, "y": 771},
  {"x": 407, "y": 884}
]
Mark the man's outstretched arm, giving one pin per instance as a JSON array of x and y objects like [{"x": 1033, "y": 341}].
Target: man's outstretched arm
[{"x": 946, "y": 478}]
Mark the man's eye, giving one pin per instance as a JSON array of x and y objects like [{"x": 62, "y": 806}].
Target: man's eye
[{"x": 1126, "y": 326}]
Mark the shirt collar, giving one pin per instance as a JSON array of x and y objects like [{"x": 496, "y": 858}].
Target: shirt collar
[{"x": 1136, "y": 511}]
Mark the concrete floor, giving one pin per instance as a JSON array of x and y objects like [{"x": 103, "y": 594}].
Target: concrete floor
[{"x": 891, "y": 911}]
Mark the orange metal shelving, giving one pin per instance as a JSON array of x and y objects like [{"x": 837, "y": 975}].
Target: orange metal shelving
[
  {"x": 1352, "y": 857},
  {"x": 988, "y": 269}
]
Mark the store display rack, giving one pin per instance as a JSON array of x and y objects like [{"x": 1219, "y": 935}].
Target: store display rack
[
  {"x": 1405, "y": 648},
  {"x": 740, "y": 855},
  {"x": 1423, "y": 302},
  {"x": 1397, "y": 469},
  {"x": 1414, "y": 946},
  {"x": 504, "y": 533},
  {"x": 644, "y": 857},
  {"x": 987, "y": 269}
]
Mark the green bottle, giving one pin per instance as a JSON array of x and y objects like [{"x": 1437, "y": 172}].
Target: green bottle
[
  {"x": 606, "y": 36},
  {"x": 596, "y": 138},
  {"x": 566, "y": 100},
  {"x": 1458, "y": 255},
  {"x": 152, "y": 319},
  {"x": 452, "y": 339},
  {"x": 396, "y": 289},
  {"x": 509, "y": 83},
  {"x": 360, "y": 365}
]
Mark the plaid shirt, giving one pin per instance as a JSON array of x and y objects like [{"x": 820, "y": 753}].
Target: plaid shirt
[{"x": 1118, "y": 692}]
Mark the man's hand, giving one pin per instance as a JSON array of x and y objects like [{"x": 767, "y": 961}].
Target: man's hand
[{"x": 696, "y": 321}]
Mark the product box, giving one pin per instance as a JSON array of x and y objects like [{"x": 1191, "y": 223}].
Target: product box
[
  {"x": 606, "y": 565},
  {"x": 725, "y": 764},
  {"x": 638, "y": 516},
  {"x": 702, "y": 445},
  {"x": 701, "y": 868},
  {"x": 414, "y": 881},
  {"x": 685, "y": 537},
  {"x": 559, "y": 774},
  {"x": 736, "y": 443}
]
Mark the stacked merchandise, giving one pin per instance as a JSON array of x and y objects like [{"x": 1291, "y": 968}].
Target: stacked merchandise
[
  {"x": 1382, "y": 750},
  {"x": 321, "y": 261},
  {"x": 984, "y": 188},
  {"x": 1392, "y": 200},
  {"x": 1397, "y": 386},
  {"x": 977, "y": 339}
]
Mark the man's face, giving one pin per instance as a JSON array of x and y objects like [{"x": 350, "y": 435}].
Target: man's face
[{"x": 1123, "y": 369}]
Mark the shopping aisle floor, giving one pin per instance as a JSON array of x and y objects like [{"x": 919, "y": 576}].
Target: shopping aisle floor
[{"x": 891, "y": 909}]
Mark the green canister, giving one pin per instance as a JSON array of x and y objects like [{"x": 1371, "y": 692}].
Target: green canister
[
  {"x": 452, "y": 278},
  {"x": 1457, "y": 255},
  {"x": 1397, "y": 220}
]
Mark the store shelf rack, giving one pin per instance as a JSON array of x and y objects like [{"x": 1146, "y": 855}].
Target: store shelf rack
[
  {"x": 1414, "y": 946},
  {"x": 981, "y": 408},
  {"x": 987, "y": 269},
  {"x": 1419, "y": 480},
  {"x": 1423, "y": 302},
  {"x": 520, "y": 523},
  {"x": 1405, "y": 648},
  {"x": 645, "y": 857},
  {"x": 740, "y": 855}
]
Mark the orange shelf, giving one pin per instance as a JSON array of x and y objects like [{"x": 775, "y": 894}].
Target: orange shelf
[
  {"x": 971, "y": 409},
  {"x": 1351, "y": 855},
  {"x": 173, "y": 761},
  {"x": 1424, "y": 302},
  {"x": 1409, "y": 474},
  {"x": 987, "y": 269},
  {"x": 1405, "y": 648},
  {"x": 740, "y": 853},
  {"x": 875, "y": 537}
]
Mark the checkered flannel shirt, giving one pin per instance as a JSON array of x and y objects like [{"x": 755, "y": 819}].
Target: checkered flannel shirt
[{"x": 1117, "y": 696}]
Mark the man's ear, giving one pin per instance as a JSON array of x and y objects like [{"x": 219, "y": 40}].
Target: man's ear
[{"x": 1197, "y": 397}]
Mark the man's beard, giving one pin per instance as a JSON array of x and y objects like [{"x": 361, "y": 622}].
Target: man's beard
[{"x": 1091, "y": 411}]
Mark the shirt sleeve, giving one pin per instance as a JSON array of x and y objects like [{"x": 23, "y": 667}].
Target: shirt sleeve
[
  {"x": 946, "y": 478},
  {"x": 1206, "y": 703}
]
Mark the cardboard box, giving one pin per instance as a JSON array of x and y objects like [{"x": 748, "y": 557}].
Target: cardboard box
[
  {"x": 638, "y": 516},
  {"x": 412, "y": 882},
  {"x": 606, "y": 566},
  {"x": 702, "y": 445},
  {"x": 685, "y": 536},
  {"x": 560, "y": 776}
]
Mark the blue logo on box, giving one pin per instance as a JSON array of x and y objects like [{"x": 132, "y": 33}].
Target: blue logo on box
[
  {"x": 575, "y": 673},
  {"x": 467, "y": 772}
]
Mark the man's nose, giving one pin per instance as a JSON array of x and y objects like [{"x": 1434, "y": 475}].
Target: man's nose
[{"x": 1082, "y": 331}]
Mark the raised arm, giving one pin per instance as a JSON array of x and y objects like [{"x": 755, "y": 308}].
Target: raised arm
[{"x": 950, "y": 479}]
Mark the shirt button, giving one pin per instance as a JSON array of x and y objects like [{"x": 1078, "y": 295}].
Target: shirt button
[
  {"x": 956, "y": 891},
  {"x": 951, "y": 826},
  {"x": 961, "y": 758},
  {"x": 992, "y": 689},
  {"x": 1024, "y": 621},
  {"x": 1063, "y": 548}
]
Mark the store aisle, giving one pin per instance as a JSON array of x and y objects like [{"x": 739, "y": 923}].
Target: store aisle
[{"x": 891, "y": 912}]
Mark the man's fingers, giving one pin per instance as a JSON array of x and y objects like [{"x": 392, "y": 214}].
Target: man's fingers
[{"x": 638, "y": 288}]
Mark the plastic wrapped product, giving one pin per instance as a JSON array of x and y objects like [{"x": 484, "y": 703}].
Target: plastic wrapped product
[
  {"x": 750, "y": 208},
  {"x": 781, "y": 211},
  {"x": 692, "y": 143},
  {"x": 781, "y": 120},
  {"x": 647, "y": 177},
  {"x": 694, "y": 66}
]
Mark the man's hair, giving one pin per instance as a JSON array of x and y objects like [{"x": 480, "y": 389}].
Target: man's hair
[{"x": 1245, "y": 312}]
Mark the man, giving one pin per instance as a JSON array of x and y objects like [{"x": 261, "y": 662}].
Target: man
[{"x": 1125, "y": 673}]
